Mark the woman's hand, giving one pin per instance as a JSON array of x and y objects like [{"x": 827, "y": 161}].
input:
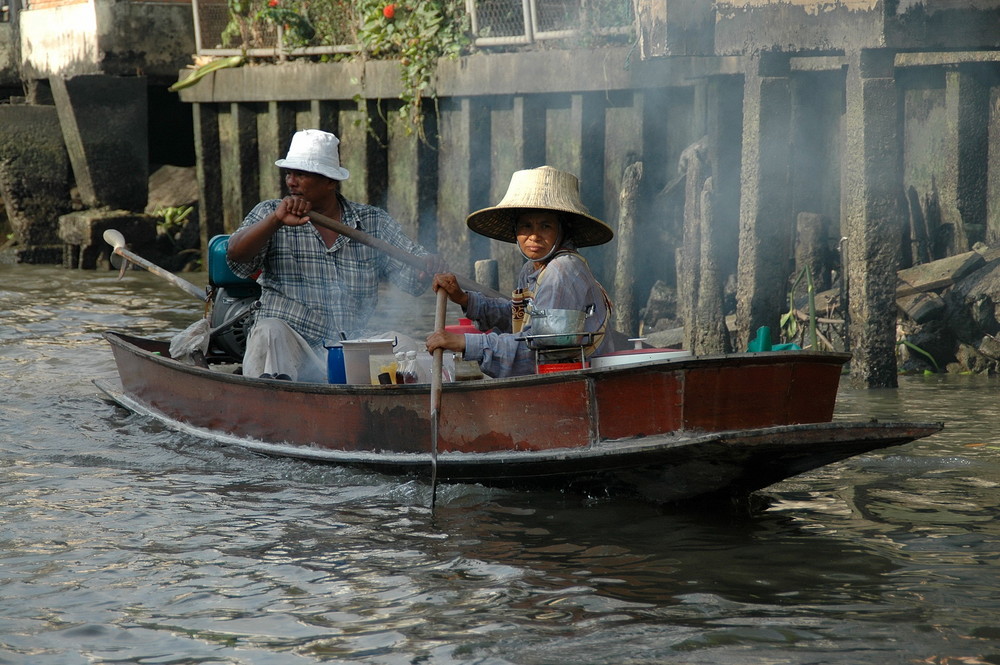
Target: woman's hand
[
  {"x": 440, "y": 339},
  {"x": 449, "y": 283}
]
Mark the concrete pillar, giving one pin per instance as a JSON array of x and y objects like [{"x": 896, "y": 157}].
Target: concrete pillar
[
  {"x": 871, "y": 186},
  {"x": 724, "y": 131},
  {"x": 104, "y": 124},
  {"x": 963, "y": 188},
  {"x": 993, "y": 175},
  {"x": 766, "y": 219},
  {"x": 34, "y": 179}
]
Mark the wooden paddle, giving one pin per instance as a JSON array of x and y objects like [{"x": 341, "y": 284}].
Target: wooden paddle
[
  {"x": 439, "y": 315},
  {"x": 393, "y": 251},
  {"x": 117, "y": 241}
]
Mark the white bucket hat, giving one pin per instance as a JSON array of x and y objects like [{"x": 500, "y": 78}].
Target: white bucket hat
[
  {"x": 544, "y": 188},
  {"x": 314, "y": 151}
]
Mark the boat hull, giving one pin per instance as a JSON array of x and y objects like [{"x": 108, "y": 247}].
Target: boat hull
[{"x": 671, "y": 430}]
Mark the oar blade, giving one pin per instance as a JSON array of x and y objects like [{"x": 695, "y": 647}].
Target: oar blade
[{"x": 114, "y": 238}]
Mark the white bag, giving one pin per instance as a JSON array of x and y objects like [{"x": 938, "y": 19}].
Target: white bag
[{"x": 189, "y": 341}]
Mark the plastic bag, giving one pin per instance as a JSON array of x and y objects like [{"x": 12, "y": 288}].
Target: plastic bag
[{"x": 191, "y": 344}]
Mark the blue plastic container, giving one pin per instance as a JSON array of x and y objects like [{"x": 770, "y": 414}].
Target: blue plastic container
[
  {"x": 335, "y": 369},
  {"x": 763, "y": 343},
  {"x": 219, "y": 273}
]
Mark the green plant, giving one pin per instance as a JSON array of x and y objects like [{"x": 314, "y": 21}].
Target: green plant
[
  {"x": 789, "y": 324},
  {"x": 418, "y": 34},
  {"x": 336, "y": 21},
  {"x": 910, "y": 345},
  {"x": 205, "y": 70},
  {"x": 252, "y": 20},
  {"x": 295, "y": 29},
  {"x": 174, "y": 219}
]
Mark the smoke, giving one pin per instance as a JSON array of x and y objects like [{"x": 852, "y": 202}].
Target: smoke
[{"x": 399, "y": 311}]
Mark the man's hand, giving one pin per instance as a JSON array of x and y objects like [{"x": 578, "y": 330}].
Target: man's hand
[
  {"x": 433, "y": 264},
  {"x": 292, "y": 211}
]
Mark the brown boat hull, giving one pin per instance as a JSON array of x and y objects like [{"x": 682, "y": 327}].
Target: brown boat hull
[{"x": 671, "y": 429}]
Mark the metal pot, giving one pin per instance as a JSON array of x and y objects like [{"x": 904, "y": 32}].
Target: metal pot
[{"x": 558, "y": 327}]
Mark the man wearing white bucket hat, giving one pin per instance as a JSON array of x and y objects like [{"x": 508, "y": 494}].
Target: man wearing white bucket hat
[
  {"x": 314, "y": 281},
  {"x": 543, "y": 214}
]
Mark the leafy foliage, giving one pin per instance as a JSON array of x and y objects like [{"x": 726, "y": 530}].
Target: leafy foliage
[
  {"x": 255, "y": 22},
  {"x": 416, "y": 33}
]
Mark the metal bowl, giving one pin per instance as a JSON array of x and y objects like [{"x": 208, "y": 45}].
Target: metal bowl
[{"x": 558, "y": 328}]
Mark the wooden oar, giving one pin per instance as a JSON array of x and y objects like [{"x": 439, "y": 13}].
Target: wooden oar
[
  {"x": 393, "y": 251},
  {"x": 117, "y": 241},
  {"x": 439, "y": 314}
]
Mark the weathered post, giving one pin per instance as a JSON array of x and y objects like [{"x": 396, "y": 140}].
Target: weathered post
[
  {"x": 811, "y": 248},
  {"x": 689, "y": 253},
  {"x": 488, "y": 273},
  {"x": 624, "y": 296},
  {"x": 963, "y": 185},
  {"x": 871, "y": 186},
  {"x": 766, "y": 219},
  {"x": 710, "y": 335}
]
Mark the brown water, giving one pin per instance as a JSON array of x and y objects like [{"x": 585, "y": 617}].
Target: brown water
[{"x": 121, "y": 542}]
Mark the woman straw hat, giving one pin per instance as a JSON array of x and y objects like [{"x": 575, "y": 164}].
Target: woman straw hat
[{"x": 543, "y": 188}]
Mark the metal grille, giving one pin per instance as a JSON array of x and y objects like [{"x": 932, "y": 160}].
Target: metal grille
[
  {"x": 557, "y": 15},
  {"x": 496, "y": 22},
  {"x": 211, "y": 19}
]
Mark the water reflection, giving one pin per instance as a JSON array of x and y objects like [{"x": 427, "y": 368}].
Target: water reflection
[{"x": 125, "y": 542}]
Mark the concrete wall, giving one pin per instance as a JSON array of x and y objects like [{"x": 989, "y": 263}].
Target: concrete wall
[
  {"x": 9, "y": 75},
  {"x": 34, "y": 178},
  {"x": 116, "y": 38},
  {"x": 804, "y": 25}
]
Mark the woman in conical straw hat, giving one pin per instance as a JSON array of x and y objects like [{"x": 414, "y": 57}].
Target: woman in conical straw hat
[{"x": 542, "y": 213}]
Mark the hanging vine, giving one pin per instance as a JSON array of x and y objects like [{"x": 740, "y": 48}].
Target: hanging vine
[{"x": 416, "y": 33}]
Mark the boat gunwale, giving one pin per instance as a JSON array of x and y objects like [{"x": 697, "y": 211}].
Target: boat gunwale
[{"x": 128, "y": 342}]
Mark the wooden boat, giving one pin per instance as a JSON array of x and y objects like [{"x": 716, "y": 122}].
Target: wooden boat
[{"x": 670, "y": 430}]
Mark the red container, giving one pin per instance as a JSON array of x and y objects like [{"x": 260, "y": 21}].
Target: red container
[
  {"x": 559, "y": 367},
  {"x": 464, "y": 326}
]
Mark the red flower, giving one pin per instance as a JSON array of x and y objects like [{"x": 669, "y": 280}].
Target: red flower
[
  {"x": 272, "y": 3},
  {"x": 389, "y": 11}
]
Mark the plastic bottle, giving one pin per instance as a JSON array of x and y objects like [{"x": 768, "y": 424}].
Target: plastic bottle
[
  {"x": 410, "y": 367},
  {"x": 400, "y": 367}
]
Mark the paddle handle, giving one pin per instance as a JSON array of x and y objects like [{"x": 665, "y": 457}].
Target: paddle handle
[
  {"x": 117, "y": 241},
  {"x": 436, "y": 372},
  {"x": 439, "y": 317},
  {"x": 393, "y": 251}
]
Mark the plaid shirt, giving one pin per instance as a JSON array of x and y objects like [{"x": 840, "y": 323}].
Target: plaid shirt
[
  {"x": 568, "y": 284},
  {"x": 320, "y": 291}
]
